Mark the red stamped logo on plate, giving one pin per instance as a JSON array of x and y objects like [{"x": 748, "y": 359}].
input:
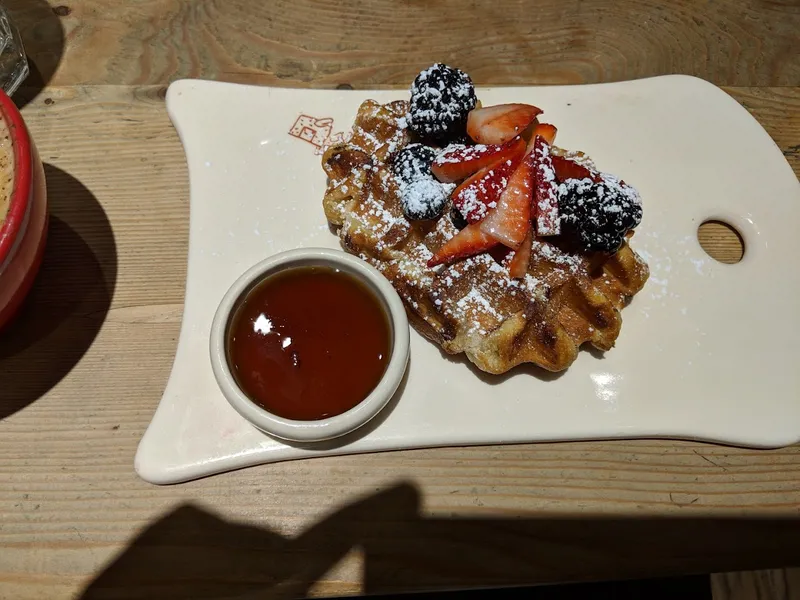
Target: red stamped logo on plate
[{"x": 316, "y": 131}]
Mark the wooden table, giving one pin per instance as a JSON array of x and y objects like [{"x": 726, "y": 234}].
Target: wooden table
[{"x": 82, "y": 373}]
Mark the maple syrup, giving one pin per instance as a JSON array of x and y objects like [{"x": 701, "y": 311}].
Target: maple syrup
[{"x": 309, "y": 343}]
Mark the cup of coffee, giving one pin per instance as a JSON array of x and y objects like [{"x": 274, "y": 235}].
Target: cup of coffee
[{"x": 23, "y": 210}]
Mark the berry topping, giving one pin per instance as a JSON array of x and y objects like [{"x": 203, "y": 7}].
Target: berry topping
[
  {"x": 598, "y": 215},
  {"x": 545, "y": 190},
  {"x": 545, "y": 130},
  {"x": 569, "y": 169},
  {"x": 421, "y": 195},
  {"x": 501, "y": 123},
  {"x": 457, "y": 218},
  {"x": 458, "y": 161},
  {"x": 518, "y": 265},
  {"x": 476, "y": 196},
  {"x": 424, "y": 198},
  {"x": 467, "y": 242},
  {"x": 510, "y": 221},
  {"x": 413, "y": 162},
  {"x": 441, "y": 98}
]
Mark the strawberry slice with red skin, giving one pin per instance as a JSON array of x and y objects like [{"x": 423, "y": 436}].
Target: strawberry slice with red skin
[
  {"x": 510, "y": 221},
  {"x": 518, "y": 267},
  {"x": 467, "y": 242},
  {"x": 501, "y": 123},
  {"x": 545, "y": 130},
  {"x": 545, "y": 190},
  {"x": 569, "y": 169},
  {"x": 476, "y": 196},
  {"x": 458, "y": 163}
]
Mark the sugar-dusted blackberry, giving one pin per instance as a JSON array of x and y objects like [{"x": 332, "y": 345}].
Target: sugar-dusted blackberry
[
  {"x": 457, "y": 218},
  {"x": 423, "y": 198},
  {"x": 598, "y": 214},
  {"x": 413, "y": 162},
  {"x": 461, "y": 140},
  {"x": 441, "y": 98}
]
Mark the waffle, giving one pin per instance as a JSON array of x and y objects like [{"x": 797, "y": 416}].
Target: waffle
[{"x": 472, "y": 306}]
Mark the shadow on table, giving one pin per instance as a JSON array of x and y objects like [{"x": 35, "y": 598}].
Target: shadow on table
[
  {"x": 191, "y": 553},
  {"x": 69, "y": 300},
  {"x": 42, "y": 33}
]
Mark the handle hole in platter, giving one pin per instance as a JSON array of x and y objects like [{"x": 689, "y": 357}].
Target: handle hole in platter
[{"x": 721, "y": 241}]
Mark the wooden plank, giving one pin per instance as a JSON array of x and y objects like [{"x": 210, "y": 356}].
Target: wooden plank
[
  {"x": 83, "y": 376},
  {"x": 772, "y": 584},
  {"x": 383, "y": 42}
]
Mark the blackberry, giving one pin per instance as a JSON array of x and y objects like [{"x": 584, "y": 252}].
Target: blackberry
[
  {"x": 598, "y": 215},
  {"x": 458, "y": 219},
  {"x": 413, "y": 162},
  {"x": 441, "y": 98},
  {"x": 421, "y": 195},
  {"x": 424, "y": 198}
]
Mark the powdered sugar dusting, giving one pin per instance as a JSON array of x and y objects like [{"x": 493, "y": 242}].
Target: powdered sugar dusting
[
  {"x": 478, "y": 197},
  {"x": 613, "y": 183},
  {"x": 420, "y": 194},
  {"x": 545, "y": 251},
  {"x": 476, "y": 302},
  {"x": 472, "y": 296},
  {"x": 436, "y": 100},
  {"x": 547, "y": 221},
  {"x": 579, "y": 158},
  {"x": 460, "y": 153},
  {"x": 471, "y": 205}
]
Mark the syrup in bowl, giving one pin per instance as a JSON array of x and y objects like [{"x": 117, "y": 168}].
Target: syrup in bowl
[{"x": 309, "y": 342}]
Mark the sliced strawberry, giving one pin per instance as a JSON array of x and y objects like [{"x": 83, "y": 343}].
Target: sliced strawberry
[
  {"x": 476, "y": 196},
  {"x": 462, "y": 161},
  {"x": 543, "y": 130},
  {"x": 518, "y": 266},
  {"x": 510, "y": 221},
  {"x": 501, "y": 123},
  {"x": 467, "y": 242},
  {"x": 569, "y": 169},
  {"x": 546, "y": 192},
  {"x": 546, "y": 130}
]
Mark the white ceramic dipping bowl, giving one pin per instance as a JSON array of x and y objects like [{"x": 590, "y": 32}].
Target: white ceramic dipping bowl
[{"x": 332, "y": 427}]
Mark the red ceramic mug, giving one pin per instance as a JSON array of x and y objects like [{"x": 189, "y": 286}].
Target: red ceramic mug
[{"x": 23, "y": 210}]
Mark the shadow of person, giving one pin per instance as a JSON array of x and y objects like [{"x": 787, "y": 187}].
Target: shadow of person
[
  {"x": 69, "y": 299},
  {"x": 193, "y": 554},
  {"x": 42, "y": 34},
  {"x": 190, "y": 553}
]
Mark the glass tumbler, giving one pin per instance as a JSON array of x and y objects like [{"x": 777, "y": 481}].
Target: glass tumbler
[{"x": 13, "y": 64}]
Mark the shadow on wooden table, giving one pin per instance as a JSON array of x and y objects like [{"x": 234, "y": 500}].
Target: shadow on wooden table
[
  {"x": 191, "y": 553},
  {"x": 69, "y": 300},
  {"x": 39, "y": 24}
]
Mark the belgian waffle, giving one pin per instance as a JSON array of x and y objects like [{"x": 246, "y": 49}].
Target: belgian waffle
[{"x": 472, "y": 306}]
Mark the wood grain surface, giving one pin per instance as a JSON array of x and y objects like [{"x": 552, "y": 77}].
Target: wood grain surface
[
  {"x": 771, "y": 584},
  {"x": 386, "y": 42},
  {"x": 86, "y": 365},
  {"x": 83, "y": 370}
]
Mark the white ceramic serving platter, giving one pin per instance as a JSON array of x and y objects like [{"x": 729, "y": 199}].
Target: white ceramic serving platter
[{"x": 707, "y": 351}]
